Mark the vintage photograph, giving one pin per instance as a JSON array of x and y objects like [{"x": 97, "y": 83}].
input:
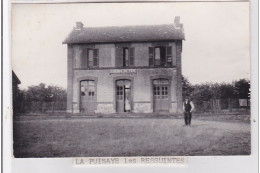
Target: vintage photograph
[{"x": 131, "y": 79}]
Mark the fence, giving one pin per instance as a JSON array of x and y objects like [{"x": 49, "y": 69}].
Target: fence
[
  {"x": 214, "y": 105},
  {"x": 222, "y": 105},
  {"x": 43, "y": 107}
]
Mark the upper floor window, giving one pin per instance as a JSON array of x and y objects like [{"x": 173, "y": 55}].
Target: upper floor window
[
  {"x": 160, "y": 56},
  {"x": 89, "y": 58},
  {"x": 157, "y": 56},
  {"x": 124, "y": 56}
]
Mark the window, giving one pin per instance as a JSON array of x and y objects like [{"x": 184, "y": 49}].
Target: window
[
  {"x": 88, "y": 89},
  {"x": 161, "y": 89},
  {"x": 156, "y": 90},
  {"x": 89, "y": 58},
  {"x": 126, "y": 57},
  {"x": 157, "y": 56},
  {"x": 160, "y": 56},
  {"x": 164, "y": 92},
  {"x": 119, "y": 92}
]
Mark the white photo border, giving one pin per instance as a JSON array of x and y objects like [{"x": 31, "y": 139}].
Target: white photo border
[{"x": 196, "y": 164}]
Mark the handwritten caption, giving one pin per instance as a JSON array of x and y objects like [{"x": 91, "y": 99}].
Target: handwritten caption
[{"x": 129, "y": 160}]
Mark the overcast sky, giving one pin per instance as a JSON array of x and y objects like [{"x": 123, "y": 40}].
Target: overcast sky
[{"x": 216, "y": 48}]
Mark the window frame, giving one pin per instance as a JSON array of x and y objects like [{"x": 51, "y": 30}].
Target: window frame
[
  {"x": 85, "y": 58},
  {"x": 88, "y": 58},
  {"x": 154, "y": 62},
  {"x": 126, "y": 62},
  {"x": 130, "y": 61}
]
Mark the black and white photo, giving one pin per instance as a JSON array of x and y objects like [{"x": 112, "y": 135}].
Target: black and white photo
[{"x": 131, "y": 79}]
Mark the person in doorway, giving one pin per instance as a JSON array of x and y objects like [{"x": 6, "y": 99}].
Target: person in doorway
[
  {"x": 127, "y": 105},
  {"x": 188, "y": 107}
]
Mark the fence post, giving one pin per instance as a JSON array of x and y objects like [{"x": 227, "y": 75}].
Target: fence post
[
  {"x": 52, "y": 105},
  {"x": 229, "y": 105}
]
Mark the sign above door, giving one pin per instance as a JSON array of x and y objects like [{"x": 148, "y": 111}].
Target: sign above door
[{"x": 123, "y": 71}]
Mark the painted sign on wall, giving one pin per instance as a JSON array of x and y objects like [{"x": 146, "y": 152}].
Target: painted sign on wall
[{"x": 122, "y": 71}]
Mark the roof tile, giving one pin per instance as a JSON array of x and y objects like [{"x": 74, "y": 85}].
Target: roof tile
[{"x": 125, "y": 34}]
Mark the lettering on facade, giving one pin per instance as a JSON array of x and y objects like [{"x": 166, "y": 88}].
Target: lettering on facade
[{"x": 123, "y": 71}]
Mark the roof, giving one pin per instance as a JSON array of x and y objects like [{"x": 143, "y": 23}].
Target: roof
[
  {"x": 125, "y": 34},
  {"x": 15, "y": 78}
]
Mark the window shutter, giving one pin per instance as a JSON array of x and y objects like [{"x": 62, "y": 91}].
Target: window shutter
[
  {"x": 131, "y": 56},
  {"x": 151, "y": 56},
  {"x": 119, "y": 57},
  {"x": 95, "y": 57},
  {"x": 169, "y": 50},
  {"x": 169, "y": 55},
  {"x": 83, "y": 58}
]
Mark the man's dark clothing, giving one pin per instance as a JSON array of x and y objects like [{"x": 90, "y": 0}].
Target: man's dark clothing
[
  {"x": 187, "y": 106},
  {"x": 187, "y": 118},
  {"x": 187, "y": 113}
]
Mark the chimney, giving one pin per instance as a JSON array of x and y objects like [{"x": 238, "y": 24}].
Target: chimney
[
  {"x": 177, "y": 20},
  {"x": 177, "y": 23},
  {"x": 79, "y": 26}
]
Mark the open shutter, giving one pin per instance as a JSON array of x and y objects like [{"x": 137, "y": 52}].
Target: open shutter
[
  {"x": 131, "y": 56},
  {"x": 95, "y": 58},
  {"x": 83, "y": 59},
  {"x": 119, "y": 57},
  {"x": 169, "y": 56},
  {"x": 151, "y": 56}
]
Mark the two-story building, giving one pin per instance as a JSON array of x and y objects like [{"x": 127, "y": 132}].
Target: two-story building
[{"x": 109, "y": 67}]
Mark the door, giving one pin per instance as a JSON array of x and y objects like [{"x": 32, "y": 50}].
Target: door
[
  {"x": 88, "y": 96},
  {"x": 161, "y": 95},
  {"x": 123, "y": 96}
]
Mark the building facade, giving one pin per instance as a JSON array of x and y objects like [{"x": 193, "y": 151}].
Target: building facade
[
  {"x": 15, "y": 91},
  {"x": 125, "y": 69}
]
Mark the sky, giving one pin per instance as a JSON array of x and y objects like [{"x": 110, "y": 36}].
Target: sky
[{"x": 216, "y": 48}]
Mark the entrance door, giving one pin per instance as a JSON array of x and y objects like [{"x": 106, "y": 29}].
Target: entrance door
[
  {"x": 123, "y": 96},
  {"x": 161, "y": 95},
  {"x": 88, "y": 96}
]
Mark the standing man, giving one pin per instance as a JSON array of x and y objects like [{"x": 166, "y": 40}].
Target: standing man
[{"x": 188, "y": 107}]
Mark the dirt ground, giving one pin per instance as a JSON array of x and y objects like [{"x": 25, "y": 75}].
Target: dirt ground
[{"x": 46, "y": 136}]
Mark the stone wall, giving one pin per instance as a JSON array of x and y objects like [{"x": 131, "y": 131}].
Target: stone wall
[
  {"x": 108, "y": 53},
  {"x": 142, "y": 97},
  {"x": 69, "y": 78},
  {"x": 179, "y": 76},
  {"x": 141, "y": 89}
]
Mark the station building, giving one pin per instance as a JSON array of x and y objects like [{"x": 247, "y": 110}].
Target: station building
[{"x": 109, "y": 66}]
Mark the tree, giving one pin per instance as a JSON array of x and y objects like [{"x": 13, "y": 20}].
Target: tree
[
  {"x": 42, "y": 97},
  {"x": 187, "y": 88},
  {"x": 200, "y": 94},
  {"x": 242, "y": 89},
  {"x": 226, "y": 91},
  {"x": 36, "y": 93},
  {"x": 46, "y": 94}
]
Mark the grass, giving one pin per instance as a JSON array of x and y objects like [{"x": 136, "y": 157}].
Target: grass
[{"x": 94, "y": 137}]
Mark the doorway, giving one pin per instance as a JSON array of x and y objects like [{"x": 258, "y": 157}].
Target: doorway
[
  {"x": 161, "y": 95},
  {"x": 88, "y": 96},
  {"x": 123, "y": 96}
]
